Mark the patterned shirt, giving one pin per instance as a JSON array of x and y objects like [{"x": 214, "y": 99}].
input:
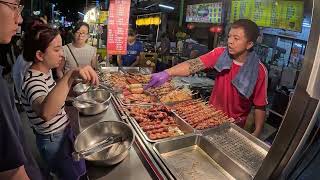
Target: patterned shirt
[{"x": 37, "y": 84}]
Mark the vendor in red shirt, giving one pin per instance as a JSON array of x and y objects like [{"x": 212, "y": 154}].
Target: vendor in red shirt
[{"x": 241, "y": 80}]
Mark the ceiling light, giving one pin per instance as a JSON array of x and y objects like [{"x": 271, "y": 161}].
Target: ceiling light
[{"x": 167, "y": 7}]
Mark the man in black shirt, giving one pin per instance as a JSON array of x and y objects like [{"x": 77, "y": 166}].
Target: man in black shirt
[{"x": 16, "y": 161}]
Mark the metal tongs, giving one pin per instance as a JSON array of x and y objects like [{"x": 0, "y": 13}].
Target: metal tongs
[
  {"x": 124, "y": 71},
  {"x": 108, "y": 87},
  {"x": 98, "y": 147},
  {"x": 104, "y": 86}
]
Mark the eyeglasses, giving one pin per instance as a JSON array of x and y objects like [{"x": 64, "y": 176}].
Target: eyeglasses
[
  {"x": 14, "y": 7},
  {"x": 81, "y": 33}
]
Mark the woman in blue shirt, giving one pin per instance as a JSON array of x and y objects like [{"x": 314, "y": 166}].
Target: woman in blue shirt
[{"x": 134, "y": 48}]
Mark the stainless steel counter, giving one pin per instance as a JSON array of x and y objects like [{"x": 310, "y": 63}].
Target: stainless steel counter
[
  {"x": 143, "y": 161},
  {"x": 134, "y": 166},
  {"x": 130, "y": 168}
]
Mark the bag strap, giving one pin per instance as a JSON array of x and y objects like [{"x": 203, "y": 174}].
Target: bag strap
[{"x": 73, "y": 55}]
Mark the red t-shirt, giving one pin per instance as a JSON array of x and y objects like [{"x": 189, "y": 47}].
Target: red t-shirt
[{"x": 226, "y": 97}]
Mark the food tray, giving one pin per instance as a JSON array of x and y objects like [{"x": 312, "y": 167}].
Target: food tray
[
  {"x": 142, "y": 70},
  {"x": 216, "y": 120},
  {"x": 117, "y": 69},
  {"x": 177, "y": 100},
  {"x": 161, "y": 90},
  {"x": 122, "y": 79},
  {"x": 183, "y": 127},
  {"x": 202, "y": 130},
  {"x": 192, "y": 157},
  {"x": 120, "y": 97},
  {"x": 247, "y": 151}
]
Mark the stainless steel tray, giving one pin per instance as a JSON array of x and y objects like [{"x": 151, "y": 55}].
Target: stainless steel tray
[
  {"x": 142, "y": 70},
  {"x": 176, "y": 102},
  {"x": 169, "y": 105},
  {"x": 177, "y": 115},
  {"x": 184, "y": 127},
  {"x": 197, "y": 130},
  {"x": 244, "y": 149},
  {"x": 109, "y": 69},
  {"x": 118, "y": 96},
  {"x": 194, "y": 157}
]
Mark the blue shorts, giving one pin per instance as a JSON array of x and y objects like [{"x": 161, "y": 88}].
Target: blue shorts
[{"x": 56, "y": 149}]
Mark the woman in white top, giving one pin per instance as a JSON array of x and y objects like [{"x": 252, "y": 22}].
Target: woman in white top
[{"x": 78, "y": 53}]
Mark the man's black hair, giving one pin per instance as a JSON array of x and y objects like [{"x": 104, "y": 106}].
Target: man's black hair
[{"x": 250, "y": 28}]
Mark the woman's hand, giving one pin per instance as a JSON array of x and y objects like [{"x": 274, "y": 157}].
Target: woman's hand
[{"x": 87, "y": 74}]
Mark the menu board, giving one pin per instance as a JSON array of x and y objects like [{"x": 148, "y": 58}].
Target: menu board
[
  {"x": 118, "y": 22},
  {"x": 205, "y": 13},
  {"x": 276, "y": 14}
]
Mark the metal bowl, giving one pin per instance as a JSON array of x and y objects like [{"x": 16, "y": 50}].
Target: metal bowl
[
  {"x": 80, "y": 88},
  {"x": 102, "y": 97},
  {"x": 100, "y": 131}
]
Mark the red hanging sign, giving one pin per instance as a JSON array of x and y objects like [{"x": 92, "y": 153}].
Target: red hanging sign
[{"x": 118, "y": 23}]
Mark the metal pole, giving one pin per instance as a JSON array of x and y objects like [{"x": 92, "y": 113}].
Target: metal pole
[
  {"x": 181, "y": 12},
  {"x": 52, "y": 13},
  {"x": 299, "y": 151},
  {"x": 215, "y": 40},
  {"x": 155, "y": 46},
  {"x": 31, "y": 8},
  {"x": 86, "y": 6}
]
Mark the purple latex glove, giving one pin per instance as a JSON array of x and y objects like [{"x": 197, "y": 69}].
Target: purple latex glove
[{"x": 157, "y": 79}]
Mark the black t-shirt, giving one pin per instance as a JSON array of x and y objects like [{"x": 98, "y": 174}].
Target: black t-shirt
[{"x": 13, "y": 149}]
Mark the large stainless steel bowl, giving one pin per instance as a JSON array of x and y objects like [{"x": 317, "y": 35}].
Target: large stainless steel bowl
[
  {"x": 100, "y": 131},
  {"x": 102, "y": 97},
  {"x": 80, "y": 88}
]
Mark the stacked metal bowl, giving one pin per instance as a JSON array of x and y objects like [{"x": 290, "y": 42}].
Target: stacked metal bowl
[{"x": 100, "y": 98}]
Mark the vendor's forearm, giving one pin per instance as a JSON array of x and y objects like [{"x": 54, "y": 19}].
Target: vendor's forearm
[
  {"x": 186, "y": 68},
  {"x": 53, "y": 102},
  {"x": 259, "y": 117}
]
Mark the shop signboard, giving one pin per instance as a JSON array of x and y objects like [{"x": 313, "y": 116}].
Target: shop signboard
[
  {"x": 103, "y": 17},
  {"x": 275, "y": 14},
  {"x": 118, "y": 22},
  {"x": 205, "y": 13}
]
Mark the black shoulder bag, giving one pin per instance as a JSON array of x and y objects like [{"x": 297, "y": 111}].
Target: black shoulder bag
[{"x": 73, "y": 56}]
